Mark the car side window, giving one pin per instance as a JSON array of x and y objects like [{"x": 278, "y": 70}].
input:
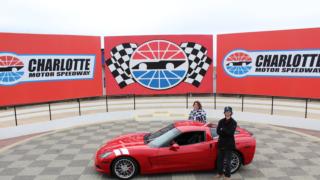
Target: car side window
[
  {"x": 188, "y": 138},
  {"x": 213, "y": 132}
]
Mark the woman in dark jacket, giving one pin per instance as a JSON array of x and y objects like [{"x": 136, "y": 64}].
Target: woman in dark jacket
[{"x": 226, "y": 143}]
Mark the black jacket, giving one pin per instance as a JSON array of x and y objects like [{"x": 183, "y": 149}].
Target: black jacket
[{"x": 226, "y": 130}]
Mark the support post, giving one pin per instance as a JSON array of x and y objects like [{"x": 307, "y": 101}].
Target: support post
[
  {"x": 107, "y": 108},
  {"x": 272, "y": 98},
  {"x": 215, "y": 100},
  {"x": 15, "y": 115},
  {"x": 50, "y": 116},
  {"x": 79, "y": 107},
  {"x": 187, "y": 101},
  {"x": 134, "y": 102},
  {"x": 306, "y": 110},
  {"x": 242, "y": 99}
]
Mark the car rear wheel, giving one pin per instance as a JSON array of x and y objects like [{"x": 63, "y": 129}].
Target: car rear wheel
[
  {"x": 124, "y": 168},
  {"x": 235, "y": 162}
]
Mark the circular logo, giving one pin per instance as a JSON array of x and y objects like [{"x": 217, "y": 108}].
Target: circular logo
[
  {"x": 159, "y": 64},
  {"x": 237, "y": 64},
  {"x": 10, "y": 69}
]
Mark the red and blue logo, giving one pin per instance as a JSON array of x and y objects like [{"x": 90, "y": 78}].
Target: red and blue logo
[
  {"x": 237, "y": 63},
  {"x": 159, "y": 64},
  {"x": 11, "y": 70}
]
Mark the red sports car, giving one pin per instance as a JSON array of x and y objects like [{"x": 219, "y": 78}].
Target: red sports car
[{"x": 181, "y": 146}]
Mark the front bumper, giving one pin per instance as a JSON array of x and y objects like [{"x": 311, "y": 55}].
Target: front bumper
[{"x": 103, "y": 165}]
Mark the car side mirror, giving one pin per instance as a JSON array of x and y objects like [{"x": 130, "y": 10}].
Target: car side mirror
[{"x": 174, "y": 147}]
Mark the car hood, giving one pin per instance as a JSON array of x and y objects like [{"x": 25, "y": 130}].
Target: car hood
[{"x": 128, "y": 140}]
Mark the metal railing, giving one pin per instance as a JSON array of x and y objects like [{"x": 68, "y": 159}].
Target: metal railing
[{"x": 79, "y": 107}]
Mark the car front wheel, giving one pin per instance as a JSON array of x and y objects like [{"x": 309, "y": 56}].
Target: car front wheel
[{"x": 124, "y": 168}]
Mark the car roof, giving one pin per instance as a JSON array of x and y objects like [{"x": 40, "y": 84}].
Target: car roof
[{"x": 188, "y": 123}]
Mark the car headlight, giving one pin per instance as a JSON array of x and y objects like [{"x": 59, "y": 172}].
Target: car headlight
[{"x": 106, "y": 154}]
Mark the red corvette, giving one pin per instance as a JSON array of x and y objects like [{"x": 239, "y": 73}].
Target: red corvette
[{"x": 181, "y": 146}]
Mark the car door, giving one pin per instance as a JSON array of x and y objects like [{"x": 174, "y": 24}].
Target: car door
[
  {"x": 189, "y": 156},
  {"x": 214, "y": 145}
]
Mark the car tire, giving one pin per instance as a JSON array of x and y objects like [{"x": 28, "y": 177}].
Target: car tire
[
  {"x": 124, "y": 168},
  {"x": 236, "y": 162}
]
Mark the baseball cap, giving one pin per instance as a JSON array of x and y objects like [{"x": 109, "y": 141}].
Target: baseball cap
[{"x": 228, "y": 109}]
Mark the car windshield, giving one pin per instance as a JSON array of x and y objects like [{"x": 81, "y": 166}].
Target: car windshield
[
  {"x": 165, "y": 138},
  {"x": 151, "y": 136}
]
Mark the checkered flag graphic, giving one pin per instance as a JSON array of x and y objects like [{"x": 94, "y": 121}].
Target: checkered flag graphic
[
  {"x": 119, "y": 63},
  {"x": 199, "y": 62}
]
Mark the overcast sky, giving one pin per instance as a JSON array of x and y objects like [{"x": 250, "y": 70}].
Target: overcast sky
[
  {"x": 129, "y": 17},
  {"x": 138, "y": 17}
]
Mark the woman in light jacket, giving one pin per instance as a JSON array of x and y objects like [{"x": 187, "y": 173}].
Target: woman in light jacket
[{"x": 198, "y": 114}]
